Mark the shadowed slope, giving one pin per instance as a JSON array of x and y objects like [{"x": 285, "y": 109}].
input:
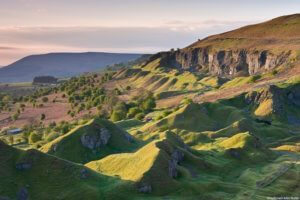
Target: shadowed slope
[{"x": 34, "y": 175}]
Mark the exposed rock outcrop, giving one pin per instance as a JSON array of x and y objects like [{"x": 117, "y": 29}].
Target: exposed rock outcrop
[
  {"x": 23, "y": 166},
  {"x": 145, "y": 188},
  {"x": 84, "y": 173},
  {"x": 224, "y": 63},
  {"x": 95, "y": 140},
  {"x": 176, "y": 157},
  {"x": 234, "y": 152},
  {"x": 280, "y": 99}
]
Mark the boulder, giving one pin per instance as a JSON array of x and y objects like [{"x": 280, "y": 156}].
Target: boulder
[
  {"x": 176, "y": 157},
  {"x": 95, "y": 140},
  {"x": 172, "y": 168},
  {"x": 23, "y": 166},
  {"x": 54, "y": 147},
  {"x": 145, "y": 188},
  {"x": 84, "y": 174},
  {"x": 235, "y": 153}
]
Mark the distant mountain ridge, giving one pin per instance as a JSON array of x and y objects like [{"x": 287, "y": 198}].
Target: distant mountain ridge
[{"x": 61, "y": 65}]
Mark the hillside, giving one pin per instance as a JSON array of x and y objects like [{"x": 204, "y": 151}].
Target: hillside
[
  {"x": 60, "y": 65},
  {"x": 250, "y": 50},
  {"x": 34, "y": 175},
  {"x": 167, "y": 128}
]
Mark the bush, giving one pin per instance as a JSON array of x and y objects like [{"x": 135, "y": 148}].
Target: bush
[
  {"x": 149, "y": 104},
  {"x": 34, "y": 137},
  {"x": 43, "y": 116},
  {"x": 159, "y": 117},
  {"x": 255, "y": 78},
  {"x": 15, "y": 116},
  {"x": 187, "y": 101},
  {"x": 117, "y": 115},
  {"x": 133, "y": 112},
  {"x": 52, "y": 136},
  {"x": 166, "y": 113},
  {"x": 45, "y": 99},
  {"x": 139, "y": 116}
]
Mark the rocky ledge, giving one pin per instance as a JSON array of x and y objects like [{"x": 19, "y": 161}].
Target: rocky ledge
[
  {"x": 224, "y": 63},
  {"x": 95, "y": 140}
]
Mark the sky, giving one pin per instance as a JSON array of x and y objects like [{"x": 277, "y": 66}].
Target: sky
[{"x": 134, "y": 26}]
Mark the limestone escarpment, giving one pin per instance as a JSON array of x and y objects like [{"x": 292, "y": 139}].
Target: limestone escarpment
[{"x": 227, "y": 63}]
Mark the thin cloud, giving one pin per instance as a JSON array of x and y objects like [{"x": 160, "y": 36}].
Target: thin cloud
[
  {"x": 176, "y": 34},
  {"x": 8, "y": 48}
]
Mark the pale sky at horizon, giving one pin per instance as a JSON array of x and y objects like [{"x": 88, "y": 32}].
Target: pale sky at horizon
[{"x": 136, "y": 26}]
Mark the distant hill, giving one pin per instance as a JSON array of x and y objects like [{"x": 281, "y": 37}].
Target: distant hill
[{"x": 60, "y": 65}]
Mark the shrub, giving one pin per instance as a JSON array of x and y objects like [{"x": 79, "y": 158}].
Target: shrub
[
  {"x": 133, "y": 112},
  {"x": 255, "y": 78},
  {"x": 34, "y": 137},
  {"x": 166, "y": 113},
  {"x": 43, "y": 116},
  {"x": 139, "y": 116},
  {"x": 15, "y": 116},
  {"x": 52, "y": 136},
  {"x": 45, "y": 99},
  {"x": 149, "y": 104},
  {"x": 159, "y": 117},
  {"x": 187, "y": 101},
  {"x": 117, "y": 115}
]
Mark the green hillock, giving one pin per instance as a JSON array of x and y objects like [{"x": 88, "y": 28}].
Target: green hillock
[{"x": 71, "y": 147}]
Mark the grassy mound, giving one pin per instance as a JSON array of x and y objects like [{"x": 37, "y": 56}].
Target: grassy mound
[
  {"x": 196, "y": 117},
  {"x": 147, "y": 166},
  {"x": 70, "y": 147},
  {"x": 152, "y": 165},
  {"x": 240, "y": 140}
]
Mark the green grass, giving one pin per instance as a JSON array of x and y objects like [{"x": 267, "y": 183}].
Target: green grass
[{"x": 240, "y": 81}]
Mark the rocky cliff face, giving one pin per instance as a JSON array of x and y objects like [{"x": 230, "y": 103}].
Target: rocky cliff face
[{"x": 227, "y": 63}]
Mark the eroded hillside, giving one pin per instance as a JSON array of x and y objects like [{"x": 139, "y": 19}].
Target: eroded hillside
[{"x": 216, "y": 120}]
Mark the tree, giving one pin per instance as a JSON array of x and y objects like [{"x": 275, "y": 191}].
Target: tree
[
  {"x": 45, "y": 99},
  {"x": 43, "y": 116},
  {"x": 117, "y": 115},
  {"x": 133, "y": 112},
  {"x": 149, "y": 104},
  {"x": 139, "y": 116}
]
